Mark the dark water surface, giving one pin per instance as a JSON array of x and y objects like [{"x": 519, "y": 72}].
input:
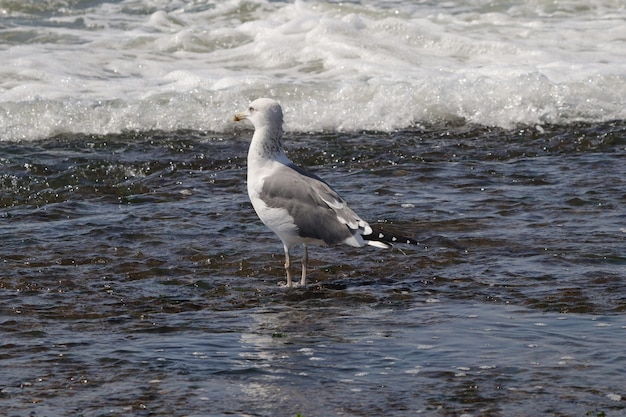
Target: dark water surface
[{"x": 136, "y": 279}]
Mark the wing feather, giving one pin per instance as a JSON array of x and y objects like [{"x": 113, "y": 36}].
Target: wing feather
[{"x": 318, "y": 211}]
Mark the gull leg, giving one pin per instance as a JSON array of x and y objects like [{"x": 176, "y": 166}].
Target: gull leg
[
  {"x": 305, "y": 261},
  {"x": 288, "y": 266}
]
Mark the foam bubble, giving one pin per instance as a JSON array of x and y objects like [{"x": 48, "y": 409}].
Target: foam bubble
[{"x": 346, "y": 67}]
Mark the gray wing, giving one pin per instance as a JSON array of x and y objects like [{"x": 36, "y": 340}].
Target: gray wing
[{"x": 318, "y": 211}]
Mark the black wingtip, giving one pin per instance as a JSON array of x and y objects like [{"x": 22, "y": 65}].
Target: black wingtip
[{"x": 386, "y": 237}]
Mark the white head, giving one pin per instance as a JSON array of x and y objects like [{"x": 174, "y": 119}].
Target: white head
[
  {"x": 263, "y": 113},
  {"x": 267, "y": 117}
]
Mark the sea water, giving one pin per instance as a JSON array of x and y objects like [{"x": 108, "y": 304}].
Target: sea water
[
  {"x": 136, "y": 278},
  {"x": 106, "y": 67}
]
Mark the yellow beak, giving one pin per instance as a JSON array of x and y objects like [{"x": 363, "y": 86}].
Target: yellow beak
[{"x": 240, "y": 116}]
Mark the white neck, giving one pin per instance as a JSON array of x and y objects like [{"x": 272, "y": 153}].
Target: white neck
[{"x": 266, "y": 145}]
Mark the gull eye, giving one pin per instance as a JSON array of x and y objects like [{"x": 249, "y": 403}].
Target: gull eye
[{"x": 251, "y": 109}]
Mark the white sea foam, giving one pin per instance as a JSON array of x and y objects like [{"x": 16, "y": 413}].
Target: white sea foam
[{"x": 381, "y": 65}]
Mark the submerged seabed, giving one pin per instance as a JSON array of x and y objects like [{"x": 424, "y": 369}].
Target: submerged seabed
[{"x": 137, "y": 280}]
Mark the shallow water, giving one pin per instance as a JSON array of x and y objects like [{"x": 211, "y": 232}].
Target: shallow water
[{"x": 137, "y": 280}]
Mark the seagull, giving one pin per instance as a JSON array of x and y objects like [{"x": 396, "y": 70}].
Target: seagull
[{"x": 296, "y": 205}]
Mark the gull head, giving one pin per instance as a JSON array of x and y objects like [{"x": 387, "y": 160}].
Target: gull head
[{"x": 263, "y": 112}]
